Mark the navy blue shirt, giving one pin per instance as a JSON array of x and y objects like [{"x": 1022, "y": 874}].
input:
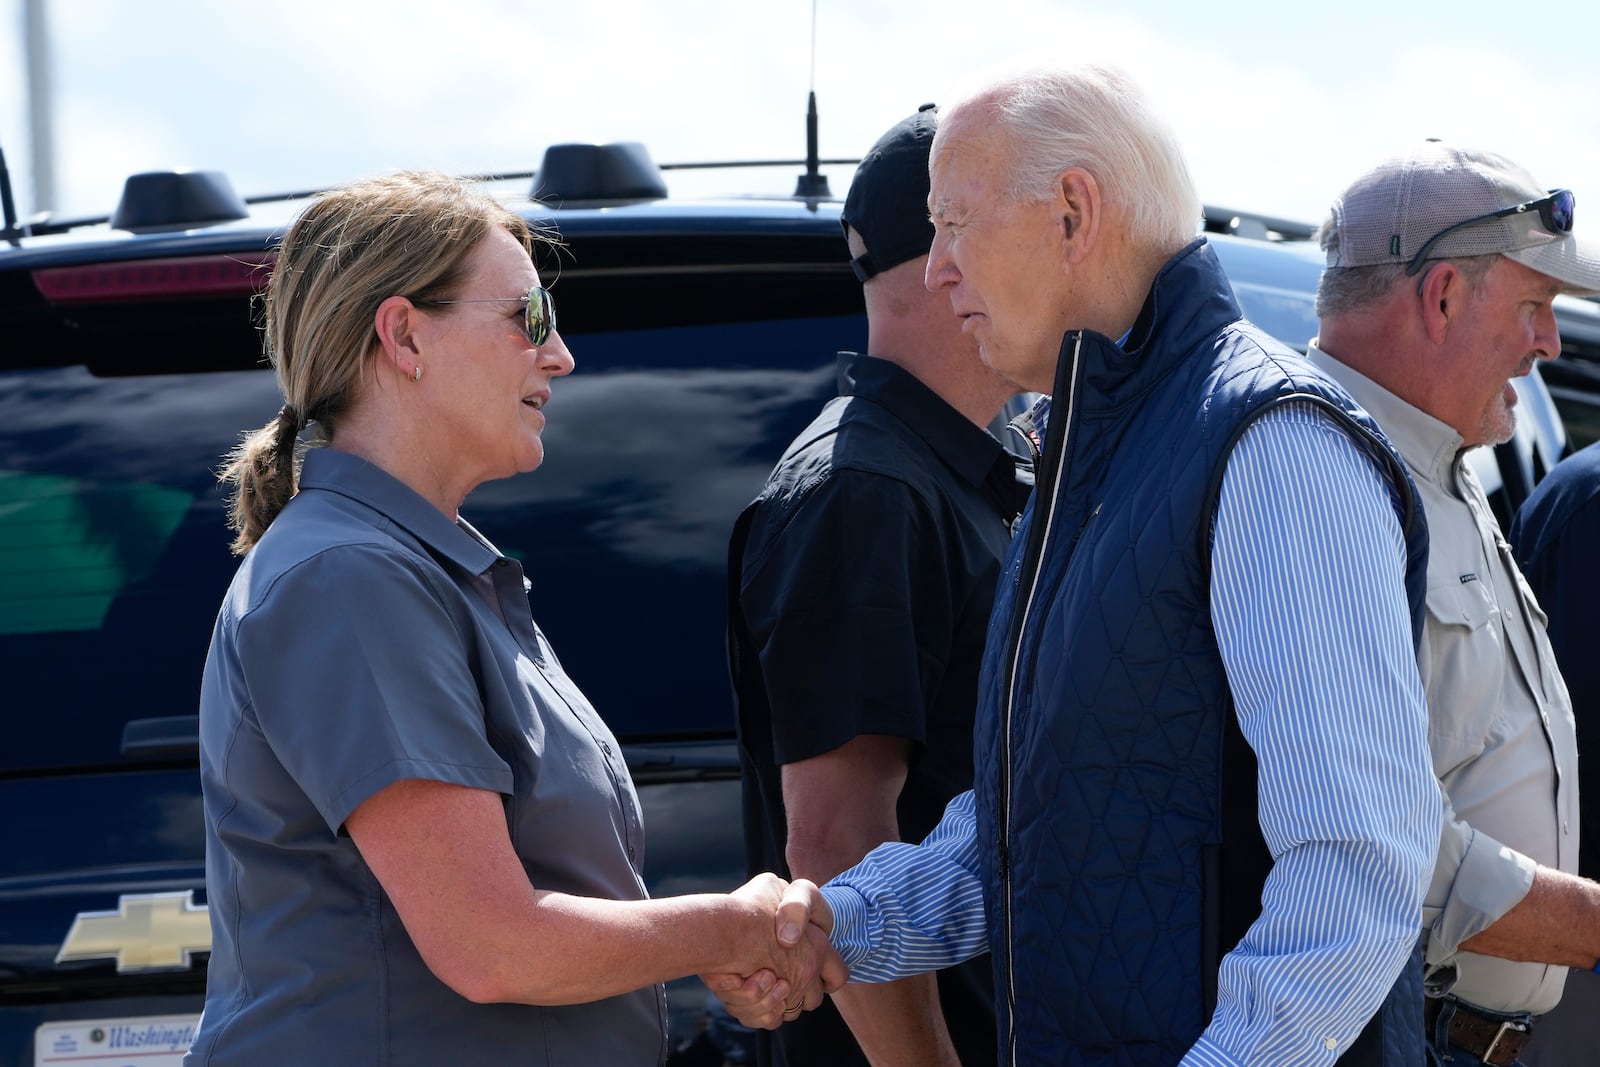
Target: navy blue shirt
[
  {"x": 862, "y": 579},
  {"x": 368, "y": 639},
  {"x": 1555, "y": 538}
]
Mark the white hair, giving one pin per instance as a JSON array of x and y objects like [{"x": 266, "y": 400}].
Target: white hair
[{"x": 1097, "y": 119}]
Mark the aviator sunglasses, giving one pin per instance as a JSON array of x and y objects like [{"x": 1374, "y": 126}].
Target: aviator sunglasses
[
  {"x": 1555, "y": 212},
  {"x": 539, "y": 318}
]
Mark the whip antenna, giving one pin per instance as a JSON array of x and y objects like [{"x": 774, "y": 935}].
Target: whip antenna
[{"x": 813, "y": 183}]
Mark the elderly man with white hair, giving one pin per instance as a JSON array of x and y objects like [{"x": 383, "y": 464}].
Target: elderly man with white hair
[{"x": 1204, "y": 817}]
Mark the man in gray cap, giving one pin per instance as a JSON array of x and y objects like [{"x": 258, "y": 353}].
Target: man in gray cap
[
  {"x": 860, "y": 583},
  {"x": 1442, "y": 266}
]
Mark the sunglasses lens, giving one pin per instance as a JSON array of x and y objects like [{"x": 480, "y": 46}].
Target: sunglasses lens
[
  {"x": 1561, "y": 209},
  {"x": 541, "y": 315}
]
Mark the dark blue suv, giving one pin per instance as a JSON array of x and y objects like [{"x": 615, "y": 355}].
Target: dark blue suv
[{"x": 130, "y": 360}]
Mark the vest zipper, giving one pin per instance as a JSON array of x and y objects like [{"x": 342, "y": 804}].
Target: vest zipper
[{"x": 1057, "y": 433}]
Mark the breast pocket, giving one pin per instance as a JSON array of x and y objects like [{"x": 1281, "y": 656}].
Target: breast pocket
[{"x": 1463, "y": 663}]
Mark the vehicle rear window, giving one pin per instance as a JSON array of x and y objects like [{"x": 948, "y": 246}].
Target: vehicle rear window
[{"x": 113, "y": 546}]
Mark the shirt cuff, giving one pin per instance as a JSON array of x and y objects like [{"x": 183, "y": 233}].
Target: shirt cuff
[
  {"x": 1206, "y": 1053},
  {"x": 1490, "y": 879},
  {"x": 849, "y": 935}
]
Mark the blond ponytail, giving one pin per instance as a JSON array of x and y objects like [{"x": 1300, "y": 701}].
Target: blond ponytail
[{"x": 264, "y": 473}]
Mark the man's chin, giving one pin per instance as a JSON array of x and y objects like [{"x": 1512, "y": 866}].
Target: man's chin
[
  {"x": 1499, "y": 426},
  {"x": 1033, "y": 375},
  {"x": 995, "y": 361}
]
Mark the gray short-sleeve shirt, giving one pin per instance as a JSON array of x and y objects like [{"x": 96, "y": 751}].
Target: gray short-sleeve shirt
[{"x": 368, "y": 639}]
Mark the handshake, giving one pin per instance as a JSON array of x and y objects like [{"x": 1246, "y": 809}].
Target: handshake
[{"x": 791, "y": 963}]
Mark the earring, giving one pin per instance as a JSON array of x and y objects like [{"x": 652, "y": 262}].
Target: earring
[{"x": 416, "y": 373}]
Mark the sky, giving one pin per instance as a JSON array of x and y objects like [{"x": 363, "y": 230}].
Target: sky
[{"x": 1277, "y": 103}]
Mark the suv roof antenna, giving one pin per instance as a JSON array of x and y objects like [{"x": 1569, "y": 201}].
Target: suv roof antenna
[
  {"x": 813, "y": 183},
  {"x": 10, "y": 231}
]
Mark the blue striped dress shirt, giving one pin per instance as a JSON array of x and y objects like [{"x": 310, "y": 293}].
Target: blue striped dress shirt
[{"x": 1308, "y": 601}]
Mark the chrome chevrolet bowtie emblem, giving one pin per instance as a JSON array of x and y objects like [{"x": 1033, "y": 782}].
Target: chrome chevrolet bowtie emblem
[{"x": 147, "y": 932}]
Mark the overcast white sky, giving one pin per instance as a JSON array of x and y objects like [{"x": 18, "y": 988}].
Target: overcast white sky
[{"x": 1277, "y": 102}]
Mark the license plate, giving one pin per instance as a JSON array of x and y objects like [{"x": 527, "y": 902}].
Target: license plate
[{"x": 139, "y": 1041}]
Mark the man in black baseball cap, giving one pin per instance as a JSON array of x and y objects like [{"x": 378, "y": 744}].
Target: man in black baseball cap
[{"x": 860, "y": 585}]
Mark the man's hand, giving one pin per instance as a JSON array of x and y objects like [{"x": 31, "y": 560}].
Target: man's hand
[
  {"x": 802, "y": 904},
  {"x": 795, "y": 963}
]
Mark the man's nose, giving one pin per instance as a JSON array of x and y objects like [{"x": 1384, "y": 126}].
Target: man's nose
[
  {"x": 1547, "y": 339},
  {"x": 942, "y": 272}
]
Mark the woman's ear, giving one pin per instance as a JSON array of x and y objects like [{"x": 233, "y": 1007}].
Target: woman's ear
[{"x": 395, "y": 322}]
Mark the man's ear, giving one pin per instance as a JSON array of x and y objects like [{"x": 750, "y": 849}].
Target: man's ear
[
  {"x": 1078, "y": 202},
  {"x": 1440, "y": 294}
]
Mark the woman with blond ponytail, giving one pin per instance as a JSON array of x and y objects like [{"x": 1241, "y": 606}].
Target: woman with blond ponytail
[
  {"x": 423, "y": 845},
  {"x": 262, "y": 471}
]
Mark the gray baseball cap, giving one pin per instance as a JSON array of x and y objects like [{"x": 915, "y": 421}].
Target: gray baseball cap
[{"x": 1466, "y": 203}]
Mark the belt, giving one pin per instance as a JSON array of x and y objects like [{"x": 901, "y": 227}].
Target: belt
[{"x": 1497, "y": 1042}]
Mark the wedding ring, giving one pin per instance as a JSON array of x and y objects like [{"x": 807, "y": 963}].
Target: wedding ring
[{"x": 789, "y": 1013}]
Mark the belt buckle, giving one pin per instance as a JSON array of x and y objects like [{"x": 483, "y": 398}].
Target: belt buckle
[{"x": 1516, "y": 1028}]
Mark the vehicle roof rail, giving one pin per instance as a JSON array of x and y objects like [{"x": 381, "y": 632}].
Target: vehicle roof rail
[
  {"x": 176, "y": 200},
  {"x": 1256, "y": 226}
]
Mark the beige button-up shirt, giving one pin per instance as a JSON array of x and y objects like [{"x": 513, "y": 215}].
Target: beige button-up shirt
[{"x": 1500, "y": 722}]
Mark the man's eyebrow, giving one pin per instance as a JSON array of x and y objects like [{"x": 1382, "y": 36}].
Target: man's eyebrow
[{"x": 938, "y": 208}]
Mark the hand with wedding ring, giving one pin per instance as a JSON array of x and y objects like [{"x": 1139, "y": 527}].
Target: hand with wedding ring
[{"x": 798, "y": 923}]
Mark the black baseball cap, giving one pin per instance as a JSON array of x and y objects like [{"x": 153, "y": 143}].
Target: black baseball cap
[{"x": 888, "y": 199}]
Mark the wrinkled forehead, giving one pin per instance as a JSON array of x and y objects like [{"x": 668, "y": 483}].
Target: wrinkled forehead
[{"x": 964, "y": 158}]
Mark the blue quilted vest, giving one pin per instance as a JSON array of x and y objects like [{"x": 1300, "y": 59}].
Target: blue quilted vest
[{"x": 1132, "y": 859}]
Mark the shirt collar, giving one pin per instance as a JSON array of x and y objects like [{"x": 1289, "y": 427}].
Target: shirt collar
[
  {"x": 965, "y": 448},
  {"x": 333, "y": 471},
  {"x": 1428, "y": 445}
]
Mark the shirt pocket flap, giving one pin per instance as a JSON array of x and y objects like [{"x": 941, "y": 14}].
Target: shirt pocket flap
[{"x": 1462, "y": 603}]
